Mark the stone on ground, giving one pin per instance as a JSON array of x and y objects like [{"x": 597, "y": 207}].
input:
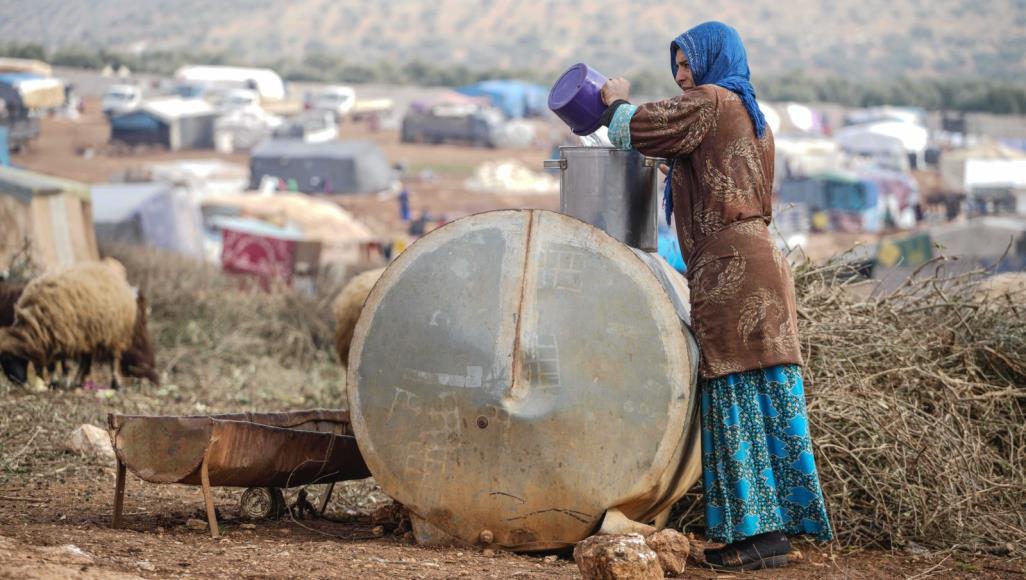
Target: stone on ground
[
  {"x": 617, "y": 558},
  {"x": 90, "y": 440},
  {"x": 673, "y": 549}
]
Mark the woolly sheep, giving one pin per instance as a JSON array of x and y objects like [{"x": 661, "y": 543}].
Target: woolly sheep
[
  {"x": 347, "y": 309},
  {"x": 139, "y": 361},
  {"x": 9, "y": 294},
  {"x": 84, "y": 311}
]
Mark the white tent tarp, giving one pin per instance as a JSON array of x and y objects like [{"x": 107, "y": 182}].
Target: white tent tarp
[
  {"x": 912, "y": 138},
  {"x": 264, "y": 81},
  {"x": 953, "y": 163},
  {"x": 157, "y": 215}
]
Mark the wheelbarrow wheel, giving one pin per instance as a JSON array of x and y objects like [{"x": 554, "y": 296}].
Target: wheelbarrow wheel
[{"x": 260, "y": 503}]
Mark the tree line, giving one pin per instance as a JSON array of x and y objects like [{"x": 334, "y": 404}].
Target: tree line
[{"x": 961, "y": 94}]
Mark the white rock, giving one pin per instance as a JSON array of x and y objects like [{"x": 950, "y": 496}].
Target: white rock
[
  {"x": 617, "y": 558},
  {"x": 90, "y": 440},
  {"x": 68, "y": 554}
]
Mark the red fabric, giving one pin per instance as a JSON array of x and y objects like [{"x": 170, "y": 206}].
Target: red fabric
[{"x": 263, "y": 257}]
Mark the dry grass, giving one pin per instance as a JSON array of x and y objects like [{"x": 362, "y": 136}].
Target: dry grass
[
  {"x": 917, "y": 400},
  {"x": 211, "y": 328},
  {"x": 918, "y": 410},
  {"x": 918, "y": 404}
]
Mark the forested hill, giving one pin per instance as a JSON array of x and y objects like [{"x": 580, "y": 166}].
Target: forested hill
[{"x": 845, "y": 38}]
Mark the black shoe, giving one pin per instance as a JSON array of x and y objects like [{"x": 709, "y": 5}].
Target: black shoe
[{"x": 767, "y": 550}]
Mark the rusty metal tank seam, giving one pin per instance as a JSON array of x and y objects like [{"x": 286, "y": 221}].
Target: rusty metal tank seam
[{"x": 514, "y": 392}]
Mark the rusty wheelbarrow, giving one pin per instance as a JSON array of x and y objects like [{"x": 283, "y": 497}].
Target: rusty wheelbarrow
[{"x": 253, "y": 450}]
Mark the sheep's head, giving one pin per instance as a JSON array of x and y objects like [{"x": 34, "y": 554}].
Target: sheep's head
[
  {"x": 15, "y": 368},
  {"x": 12, "y": 359}
]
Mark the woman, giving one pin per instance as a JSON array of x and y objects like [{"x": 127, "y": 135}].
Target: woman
[{"x": 759, "y": 475}]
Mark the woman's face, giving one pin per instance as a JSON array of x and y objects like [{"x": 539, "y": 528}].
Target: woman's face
[{"x": 683, "y": 78}]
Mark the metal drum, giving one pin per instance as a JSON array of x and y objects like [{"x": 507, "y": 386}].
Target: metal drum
[
  {"x": 515, "y": 374},
  {"x": 611, "y": 189}
]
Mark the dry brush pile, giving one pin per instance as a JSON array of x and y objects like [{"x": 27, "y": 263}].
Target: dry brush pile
[{"x": 918, "y": 407}]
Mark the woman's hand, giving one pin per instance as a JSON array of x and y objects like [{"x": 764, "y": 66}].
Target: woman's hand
[{"x": 616, "y": 89}]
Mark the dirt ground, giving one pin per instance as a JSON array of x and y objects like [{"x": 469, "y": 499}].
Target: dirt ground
[
  {"x": 56, "y": 506},
  {"x": 54, "y": 523}
]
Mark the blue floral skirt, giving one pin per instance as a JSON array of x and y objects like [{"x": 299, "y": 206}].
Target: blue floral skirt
[{"x": 757, "y": 466}]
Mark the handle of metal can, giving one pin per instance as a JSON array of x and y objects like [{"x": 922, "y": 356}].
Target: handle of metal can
[
  {"x": 653, "y": 161},
  {"x": 555, "y": 164}
]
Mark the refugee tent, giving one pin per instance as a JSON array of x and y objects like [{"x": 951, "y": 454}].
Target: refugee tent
[
  {"x": 886, "y": 141},
  {"x": 995, "y": 173},
  {"x": 802, "y": 156},
  {"x": 794, "y": 119},
  {"x": 241, "y": 129},
  {"x": 25, "y": 65},
  {"x": 31, "y": 90},
  {"x": 174, "y": 123},
  {"x": 267, "y": 83},
  {"x": 514, "y": 98},
  {"x": 158, "y": 215},
  {"x": 333, "y": 167},
  {"x": 267, "y": 252},
  {"x": 899, "y": 194},
  {"x": 53, "y": 215},
  {"x": 339, "y": 233},
  {"x": 22, "y": 94},
  {"x": 907, "y": 115},
  {"x": 953, "y": 163},
  {"x": 835, "y": 201},
  {"x": 998, "y": 183},
  {"x": 200, "y": 176}
]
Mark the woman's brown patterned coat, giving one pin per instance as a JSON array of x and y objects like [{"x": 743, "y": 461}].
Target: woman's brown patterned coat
[{"x": 742, "y": 292}]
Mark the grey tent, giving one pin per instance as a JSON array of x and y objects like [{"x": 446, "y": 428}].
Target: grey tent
[
  {"x": 334, "y": 167},
  {"x": 149, "y": 214},
  {"x": 173, "y": 123}
]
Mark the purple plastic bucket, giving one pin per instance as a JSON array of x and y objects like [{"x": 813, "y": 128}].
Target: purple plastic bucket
[{"x": 576, "y": 98}]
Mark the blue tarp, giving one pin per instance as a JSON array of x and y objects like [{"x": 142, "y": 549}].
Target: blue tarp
[
  {"x": 514, "y": 98},
  {"x": 135, "y": 121},
  {"x": 15, "y": 78},
  {"x": 255, "y": 227},
  {"x": 828, "y": 192}
]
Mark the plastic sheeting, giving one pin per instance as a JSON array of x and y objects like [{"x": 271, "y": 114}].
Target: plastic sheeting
[
  {"x": 149, "y": 214},
  {"x": 334, "y": 167}
]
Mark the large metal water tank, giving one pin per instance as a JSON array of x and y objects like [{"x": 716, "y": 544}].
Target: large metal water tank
[{"x": 515, "y": 374}]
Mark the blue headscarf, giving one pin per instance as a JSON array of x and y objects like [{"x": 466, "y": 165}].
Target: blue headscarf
[{"x": 716, "y": 56}]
